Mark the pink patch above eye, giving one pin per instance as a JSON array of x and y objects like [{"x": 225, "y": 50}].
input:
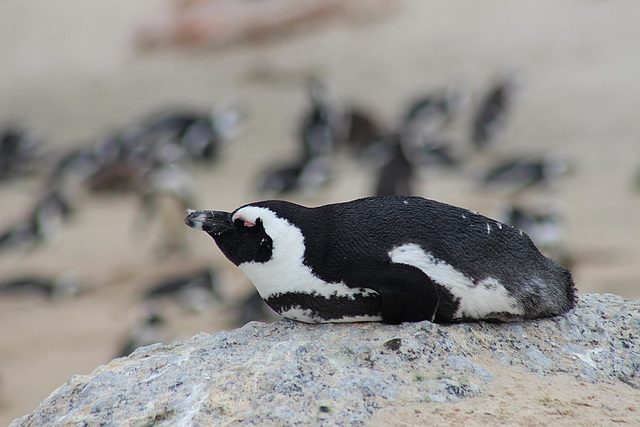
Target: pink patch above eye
[{"x": 245, "y": 222}]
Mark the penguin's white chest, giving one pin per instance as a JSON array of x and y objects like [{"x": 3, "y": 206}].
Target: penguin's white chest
[
  {"x": 286, "y": 273},
  {"x": 296, "y": 280}
]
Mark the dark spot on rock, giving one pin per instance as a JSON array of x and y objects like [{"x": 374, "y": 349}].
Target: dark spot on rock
[
  {"x": 393, "y": 344},
  {"x": 175, "y": 386}
]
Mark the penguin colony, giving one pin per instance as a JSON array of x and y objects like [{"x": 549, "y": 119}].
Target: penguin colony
[
  {"x": 393, "y": 259},
  {"x": 154, "y": 158}
]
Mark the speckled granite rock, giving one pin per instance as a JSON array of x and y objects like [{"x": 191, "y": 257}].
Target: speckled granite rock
[{"x": 337, "y": 374}]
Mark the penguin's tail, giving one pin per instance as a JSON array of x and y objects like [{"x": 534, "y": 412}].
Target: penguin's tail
[
  {"x": 571, "y": 290},
  {"x": 560, "y": 294}
]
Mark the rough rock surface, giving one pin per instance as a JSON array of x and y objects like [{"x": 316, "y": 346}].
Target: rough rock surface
[{"x": 290, "y": 373}]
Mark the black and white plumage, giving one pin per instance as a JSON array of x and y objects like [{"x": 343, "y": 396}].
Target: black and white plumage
[
  {"x": 305, "y": 176},
  {"x": 392, "y": 259},
  {"x": 436, "y": 152},
  {"x": 20, "y": 152},
  {"x": 53, "y": 205},
  {"x": 63, "y": 286},
  {"x": 422, "y": 126},
  {"x": 253, "y": 308},
  {"x": 364, "y": 131},
  {"x": 42, "y": 225},
  {"x": 19, "y": 237},
  {"x": 428, "y": 115},
  {"x": 149, "y": 330},
  {"x": 546, "y": 227},
  {"x": 326, "y": 127},
  {"x": 331, "y": 124},
  {"x": 492, "y": 112},
  {"x": 318, "y": 136},
  {"x": 192, "y": 290},
  {"x": 526, "y": 172},
  {"x": 119, "y": 161},
  {"x": 139, "y": 159},
  {"x": 430, "y": 151},
  {"x": 73, "y": 169},
  {"x": 325, "y": 124},
  {"x": 201, "y": 135},
  {"x": 322, "y": 127},
  {"x": 396, "y": 175}
]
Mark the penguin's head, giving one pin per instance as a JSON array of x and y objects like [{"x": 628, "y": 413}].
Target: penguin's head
[{"x": 250, "y": 234}]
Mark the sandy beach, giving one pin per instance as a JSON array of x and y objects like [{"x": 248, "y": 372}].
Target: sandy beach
[{"x": 72, "y": 72}]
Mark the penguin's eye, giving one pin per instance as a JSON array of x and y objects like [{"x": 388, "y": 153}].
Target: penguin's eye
[{"x": 244, "y": 222}]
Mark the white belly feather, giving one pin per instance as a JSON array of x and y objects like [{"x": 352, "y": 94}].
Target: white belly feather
[{"x": 476, "y": 300}]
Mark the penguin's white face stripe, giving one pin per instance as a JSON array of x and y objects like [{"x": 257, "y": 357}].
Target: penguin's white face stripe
[
  {"x": 285, "y": 271},
  {"x": 476, "y": 300},
  {"x": 250, "y": 215}
]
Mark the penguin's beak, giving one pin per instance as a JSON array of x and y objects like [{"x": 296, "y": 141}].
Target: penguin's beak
[{"x": 209, "y": 221}]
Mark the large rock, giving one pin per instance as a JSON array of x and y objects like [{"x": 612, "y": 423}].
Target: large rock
[{"x": 294, "y": 373}]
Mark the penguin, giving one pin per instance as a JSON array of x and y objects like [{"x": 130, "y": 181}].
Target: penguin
[
  {"x": 20, "y": 152},
  {"x": 423, "y": 123},
  {"x": 325, "y": 124},
  {"x": 491, "y": 114},
  {"x": 20, "y": 237},
  {"x": 53, "y": 208},
  {"x": 196, "y": 133},
  {"x": 253, "y": 308},
  {"x": 317, "y": 135},
  {"x": 364, "y": 131},
  {"x": 61, "y": 287},
  {"x": 438, "y": 152},
  {"x": 396, "y": 176},
  {"x": 546, "y": 227},
  {"x": 149, "y": 330},
  {"x": 392, "y": 259},
  {"x": 430, "y": 151},
  {"x": 120, "y": 147},
  {"x": 429, "y": 114},
  {"x": 401, "y": 162},
  {"x": 165, "y": 189},
  {"x": 305, "y": 176},
  {"x": 73, "y": 169},
  {"x": 527, "y": 172},
  {"x": 331, "y": 124},
  {"x": 202, "y": 135},
  {"x": 191, "y": 290},
  {"x": 42, "y": 225}
]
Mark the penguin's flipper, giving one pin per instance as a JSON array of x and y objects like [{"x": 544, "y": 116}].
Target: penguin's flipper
[{"x": 408, "y": 295}]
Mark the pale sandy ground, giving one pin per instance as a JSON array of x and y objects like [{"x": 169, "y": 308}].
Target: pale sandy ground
[{"x": 68, "y": 70}]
